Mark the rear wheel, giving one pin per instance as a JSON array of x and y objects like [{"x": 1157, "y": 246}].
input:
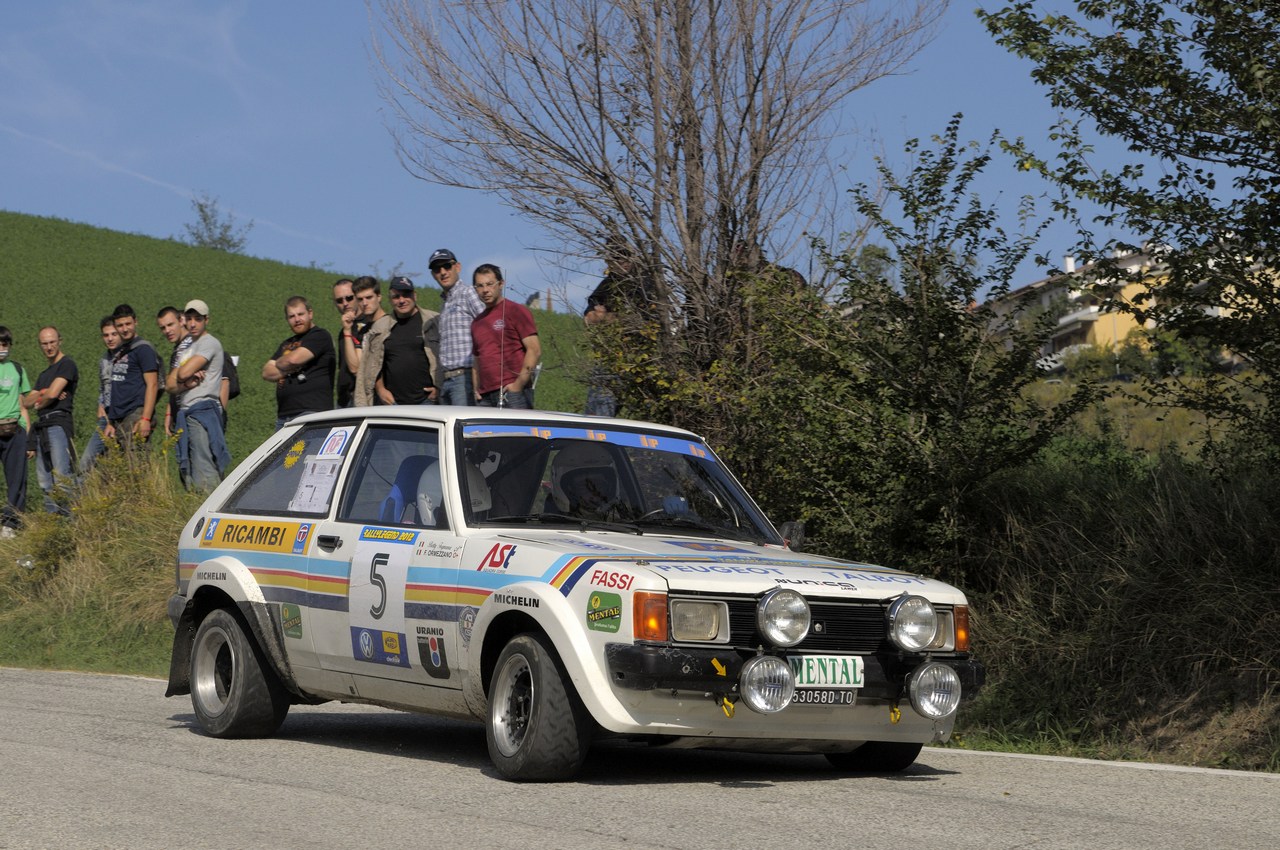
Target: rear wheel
[
  {"x": 538, "y": 729},
  {"x": 877, "y": 757},
  {"x": 234, "y": 691}
]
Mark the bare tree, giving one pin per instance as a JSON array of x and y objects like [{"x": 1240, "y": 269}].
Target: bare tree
[{"x": 691, "y": 133}]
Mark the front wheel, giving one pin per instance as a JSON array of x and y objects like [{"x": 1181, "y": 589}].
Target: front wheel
[
  {"x": 234, "y": 691},
  {"x": 877, "y": 757},
  {"x": 538, "y": 729}
]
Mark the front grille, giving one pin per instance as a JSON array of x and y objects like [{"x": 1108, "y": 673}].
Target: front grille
[{"x": 847, "y": 627}]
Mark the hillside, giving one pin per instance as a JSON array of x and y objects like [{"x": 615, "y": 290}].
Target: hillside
[{"x": 56, "y": 272}]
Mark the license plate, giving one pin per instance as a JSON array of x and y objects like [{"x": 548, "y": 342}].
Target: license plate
[
  {"x": 824, "y": 696},
  {"x": 827, "y": 671}
]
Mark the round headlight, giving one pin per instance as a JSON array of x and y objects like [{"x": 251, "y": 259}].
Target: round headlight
[
  {"x": 934, "y": 690},
  {"x": 783, "y": 617},
  {"x": 913, "y": 624},
  {"x": 767, "y": 684}
]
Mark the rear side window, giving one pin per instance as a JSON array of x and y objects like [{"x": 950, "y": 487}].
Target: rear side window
[
  {"x": 299, "y": 478},
  {"x": 396, "y": 479}
]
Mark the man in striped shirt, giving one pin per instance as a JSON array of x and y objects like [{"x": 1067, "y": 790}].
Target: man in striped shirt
[{"x": 459, "y": 306}]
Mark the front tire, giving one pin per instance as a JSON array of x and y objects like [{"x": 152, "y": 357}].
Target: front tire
[
  {"x": 877, "y": 757},
  {"x": 538, "y": 728},
  {"x": 234, "y": 692}
]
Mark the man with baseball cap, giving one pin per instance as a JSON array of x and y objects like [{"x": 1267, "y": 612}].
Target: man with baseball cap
[
  {"x": 460, "y": 306},
  {"x": 196, "y": 382},
  {"x": 399, "y": 361}
]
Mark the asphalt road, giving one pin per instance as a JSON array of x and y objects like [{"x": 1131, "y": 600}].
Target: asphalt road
[{"x": 90, "y": 761}]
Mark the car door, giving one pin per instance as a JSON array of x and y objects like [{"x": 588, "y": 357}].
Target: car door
[{"x": 392, "y": 549}]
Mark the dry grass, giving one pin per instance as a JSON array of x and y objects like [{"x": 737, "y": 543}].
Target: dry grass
[{"x": 89, "y": 591}]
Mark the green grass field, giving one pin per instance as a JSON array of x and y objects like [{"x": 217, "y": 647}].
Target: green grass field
[{"x": 70, "y": 275}]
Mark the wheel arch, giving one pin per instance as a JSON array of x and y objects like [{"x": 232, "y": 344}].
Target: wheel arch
[{"x": 263, "y": 626}]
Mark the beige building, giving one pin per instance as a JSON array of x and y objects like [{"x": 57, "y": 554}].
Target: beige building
[{"x": 1084, "y": 317}]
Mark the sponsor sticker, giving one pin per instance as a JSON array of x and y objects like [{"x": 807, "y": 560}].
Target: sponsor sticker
[
  {"x": 378, "y": 647},
  {"x": 609, "y": 578},
  {"x": 604, "y": 612},
  {"x": 291, "y": 620},
  {"x": 499, "y": 557},
  {"x": 699, "y": 546},
  {"x": 431, "y": 652},
  {"x": 257, "y": 536},
  {"x": 388, "y": 535}
]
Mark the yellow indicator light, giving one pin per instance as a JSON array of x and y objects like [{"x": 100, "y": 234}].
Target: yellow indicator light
[
  {"x": 961, "y": 615},
  {"x": 649, "y": 615}
]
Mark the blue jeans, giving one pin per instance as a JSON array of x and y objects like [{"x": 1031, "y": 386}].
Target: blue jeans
[
  {"x": 457, "y": 390},
  {"x": 13, "y": 455},
  {"x": 203, "y": 457},
  {"x": 511, "y": 401},
  {"x": 53, "y": 466},
  {"x": 94, "y": 448},
  {"x": 601, "y": 401}
]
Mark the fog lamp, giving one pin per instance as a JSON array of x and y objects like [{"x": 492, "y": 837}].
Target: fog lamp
[
  {"x": 767, "y": 684},
  {"x": 934, "y": 690}
]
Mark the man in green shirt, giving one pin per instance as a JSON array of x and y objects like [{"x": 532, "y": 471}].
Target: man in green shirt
[{"x": 14, "y": 422}]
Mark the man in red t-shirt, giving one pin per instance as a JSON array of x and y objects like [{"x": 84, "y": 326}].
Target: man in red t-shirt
[{"x": 505, "y": 348}]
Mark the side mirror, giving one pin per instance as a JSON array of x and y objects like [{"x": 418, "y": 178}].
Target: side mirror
[{"x": 793, "y": 534}]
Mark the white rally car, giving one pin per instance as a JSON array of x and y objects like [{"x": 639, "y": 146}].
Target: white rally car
[{"x": 564, "y": 579}]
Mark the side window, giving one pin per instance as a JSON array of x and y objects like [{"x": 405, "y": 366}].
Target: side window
[
  {"x": 396, "y": 479},
  {"x": 300, "y": 478}
]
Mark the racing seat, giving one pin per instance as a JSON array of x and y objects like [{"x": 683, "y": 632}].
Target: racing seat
[
  {"x": 401, "y": 504},
  {"x": 431, "y": 497}
]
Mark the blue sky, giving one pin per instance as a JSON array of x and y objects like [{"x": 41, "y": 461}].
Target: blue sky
[{"x": 115, "y": 112}]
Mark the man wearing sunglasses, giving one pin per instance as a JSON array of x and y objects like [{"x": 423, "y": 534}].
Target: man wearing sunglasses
[
  {"x": 459, "y": 307},
  {"x": 344, "y": 301}
]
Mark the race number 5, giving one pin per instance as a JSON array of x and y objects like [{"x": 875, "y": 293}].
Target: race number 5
[
  {"x": 379, "y": 560},
  {"x": 376, "y": 591}
]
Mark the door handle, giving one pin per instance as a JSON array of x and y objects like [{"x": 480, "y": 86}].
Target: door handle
[{"x": 328, "y": 542}]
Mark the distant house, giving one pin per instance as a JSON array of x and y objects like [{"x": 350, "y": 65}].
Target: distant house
[{"x": 1085, "y": 317}]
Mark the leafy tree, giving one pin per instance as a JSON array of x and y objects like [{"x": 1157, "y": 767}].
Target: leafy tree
[
  {"x": 878, "y": 416},
  {"x": 1192, "y": 89},
  {"x": 917, "y": 391},
  {"x": 212, "y": 229}
]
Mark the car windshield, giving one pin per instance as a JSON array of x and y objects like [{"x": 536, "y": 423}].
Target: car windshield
[{"x": 612, "y": 480}]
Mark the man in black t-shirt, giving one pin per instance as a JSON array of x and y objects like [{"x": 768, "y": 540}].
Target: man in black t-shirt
[
  {"x": 302, "y": 367},
  {"x": 401, "y": 353},
  {"x": 53, "y": 398}
]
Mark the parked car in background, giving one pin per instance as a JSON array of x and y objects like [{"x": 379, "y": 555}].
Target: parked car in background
[{"x": 565, "y": 580}]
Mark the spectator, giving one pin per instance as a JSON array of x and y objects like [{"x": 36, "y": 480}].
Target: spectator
[
  {"x": 399, "y": 360},
  {"x": 54, "y": 432},
  {"x": 344, "y": 300},
  {"x": 14, "y": 423},
  {"x": 135, "y": 382},
  {"x": 460, "y": 306},
  {"x": 505, "y": 346},
  {"x": 302, "y": 367},
  {"x": 169, "y": 321},
  {"x": 196, "y": 380},
  {"x": 96, "y": 446}
]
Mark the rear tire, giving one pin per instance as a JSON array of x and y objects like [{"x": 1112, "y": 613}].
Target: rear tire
[
  {"x": 234, "y": 691},
  {"x": 877, "y": 757},
  {"x": 538, "y": 729}
]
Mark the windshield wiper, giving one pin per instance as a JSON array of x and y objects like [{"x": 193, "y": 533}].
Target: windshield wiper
[
  {"x": 684, "y": 522},
  {"x": 561, "y": 519}
]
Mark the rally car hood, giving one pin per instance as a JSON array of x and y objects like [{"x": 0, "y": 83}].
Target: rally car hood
[{"x": 701, "y": 565}]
